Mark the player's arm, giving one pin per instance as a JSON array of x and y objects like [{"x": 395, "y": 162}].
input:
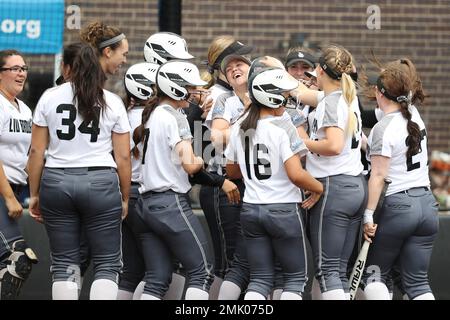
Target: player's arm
[
  {"x": 331, "y": 145},
  {"x": 303, "y": 179},
  {"x": 220, "y": 132},
  {"x": 35, "y": 165},
  {"x": 379, "y": 171},
  {"x": 233, "y": 170},
  {"x": 121, "y": 147},
  {"x": 305, "y": 95},
  {"x": 14, "y": 207},
  {"x": 189, "y": 161}
]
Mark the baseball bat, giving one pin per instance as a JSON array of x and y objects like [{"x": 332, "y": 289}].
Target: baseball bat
[{"x": 358, "y": 268}]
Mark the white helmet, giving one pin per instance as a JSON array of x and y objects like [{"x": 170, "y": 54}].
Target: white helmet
[
  {"x": 139, "y": 79},
  {"x": 174, "y": 76},
  {"x": 163, "y": 46},
  {"x": 266, "y": 86}
]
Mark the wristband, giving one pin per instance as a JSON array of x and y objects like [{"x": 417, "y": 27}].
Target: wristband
[{"x": 368, "y": 216}]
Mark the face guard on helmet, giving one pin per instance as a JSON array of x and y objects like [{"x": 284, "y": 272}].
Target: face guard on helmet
[
  {"x": 266, "y": 87},
  {"x": 139, "y": 79},
  {"x": 174, "y": 76},
  {"x": 163, "y": 46}
]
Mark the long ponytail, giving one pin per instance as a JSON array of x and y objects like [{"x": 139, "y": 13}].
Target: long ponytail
[
  {"x": 398, "y": 87},
  {"x": 88, "y": 80},
  {"x": 349, "y": 93},
  {"x": 414, "y": 136}
]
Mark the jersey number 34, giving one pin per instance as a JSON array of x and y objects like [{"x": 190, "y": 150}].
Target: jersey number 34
[{"x": 85, "y": 127}]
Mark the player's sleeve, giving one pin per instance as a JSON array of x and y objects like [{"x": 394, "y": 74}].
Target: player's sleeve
[
  {"x": 333, "y": 114},
  {"x": 177, "y": 129},
  {"x": 379, "y": 140},
  {"x": 222, "y": 107},
  {"x": 290, "y": 144},
  {"x": 39, "y": 117},
  {"x": 122, "y": 124}
]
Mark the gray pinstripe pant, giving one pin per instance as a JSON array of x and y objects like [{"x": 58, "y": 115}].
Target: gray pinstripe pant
[{"x": 171, "y": 229}]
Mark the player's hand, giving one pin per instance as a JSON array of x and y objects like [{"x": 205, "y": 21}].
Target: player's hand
[
  {"x": 124, "y": 209},
  {"x": 311, "y": 200},
  {"x": 14, "y": 207},
  {"x": 206, "y": 104},
  {"x": 34, "y": 209},
  {"x": 232, "y": 192},
  {"x": 369, "y": 231}
]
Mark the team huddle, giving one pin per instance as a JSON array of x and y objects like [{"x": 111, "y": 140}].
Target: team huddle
[{"x": 282, "y": 161}]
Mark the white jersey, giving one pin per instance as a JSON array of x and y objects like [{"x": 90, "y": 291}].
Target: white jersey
[
  {"x": 161, "y": 166},
  {"x": 135, "y": 119},
  {"x": 388, "y": 138},
  {"x": 262, "y": 159},
  {"x": 15, "y": 138},
  {"x": 73, "y": 142},
  {"x": 228, "y": 107},
  {"x": 332, "y": 111},
  {"x": 216, "y": 91}
]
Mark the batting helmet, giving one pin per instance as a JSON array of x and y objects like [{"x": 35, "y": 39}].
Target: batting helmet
[
  {"x": 163, "y": 46},
  {"x": 174, "y": 76},
  {"x": 139, "y": 79}
]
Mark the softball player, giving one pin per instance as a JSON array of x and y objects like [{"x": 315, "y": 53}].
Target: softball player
[
  {"x": 265, "y": 150},
  {"x": 139, "y": 84},
  {"x": 16, "y": 257},
  {"x": 110, "y": 43},
  {"x": 408, "y": 223},
  {"x": 167, "y": 160},
  {"x": 79, "y": 188},
  {"x": 70, "y": 52},
  {"x": 219, "y": 213},
  {"x": 334, "y": 158},
  {"x": 227, "y": 109}
]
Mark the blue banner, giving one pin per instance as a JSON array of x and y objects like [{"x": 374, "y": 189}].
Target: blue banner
[{"x": 32, "y": 26}]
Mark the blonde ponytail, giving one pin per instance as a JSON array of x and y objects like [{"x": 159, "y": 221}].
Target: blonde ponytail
[{"x": 349, "y": 93}]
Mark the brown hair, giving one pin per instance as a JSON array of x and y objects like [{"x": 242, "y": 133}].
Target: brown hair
[
  {"x": 87, "y": 80},
  {"x": 97, "y": 32},
  {"x": 340, "y": 61},
  {"x": 8, "y": 53},
  {"x": 397, "y": 82},
  {"x": 418, "y": 93}
]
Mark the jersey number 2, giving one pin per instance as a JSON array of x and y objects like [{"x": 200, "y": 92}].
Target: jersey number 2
[
  {"x": 409, "y": 161},
  {"x": 86, "y": 128}
]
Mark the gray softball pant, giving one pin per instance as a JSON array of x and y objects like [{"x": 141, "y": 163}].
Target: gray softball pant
[
  {"x": 407, "y": 227},
  {"x": 88, "y": 198},
  {"x": 335, "y": 221},
  {"x": 274, "y": 231},
  {"x": 170, "y": 229}
]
